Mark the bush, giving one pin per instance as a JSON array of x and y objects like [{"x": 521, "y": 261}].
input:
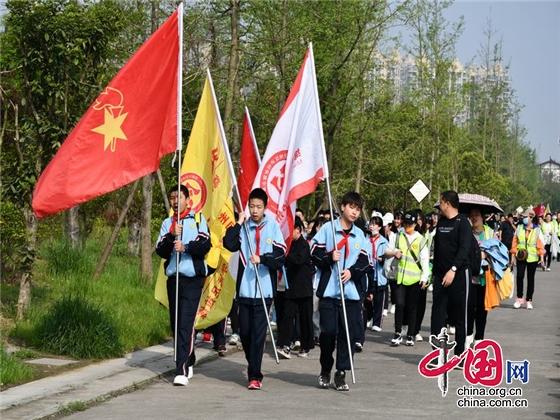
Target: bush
[
  {"x": 77, "y": 328},
  {"x": 12, "y": 371}
]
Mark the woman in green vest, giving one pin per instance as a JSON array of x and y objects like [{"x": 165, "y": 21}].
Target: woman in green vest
[
  {"x": 528, "y": 250},
  {"x": 412, "y": 276}
]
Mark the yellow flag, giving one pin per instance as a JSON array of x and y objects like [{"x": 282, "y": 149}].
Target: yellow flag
[
  {"x": 547, "y": 210},
  {"x": 206, "y": 174}
]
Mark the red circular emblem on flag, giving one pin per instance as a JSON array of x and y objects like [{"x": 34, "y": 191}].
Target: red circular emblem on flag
[
  {"x": 272, "y": 178},
  {"x": 197, "y": 190}
]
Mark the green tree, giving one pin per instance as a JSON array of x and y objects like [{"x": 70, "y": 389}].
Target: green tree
[{"x": 57, "y": 55}]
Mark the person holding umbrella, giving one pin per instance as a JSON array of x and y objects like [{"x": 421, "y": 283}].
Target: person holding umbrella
[
  {"x": 528, "y": 250},
  {"x": 476, "y": 311}
]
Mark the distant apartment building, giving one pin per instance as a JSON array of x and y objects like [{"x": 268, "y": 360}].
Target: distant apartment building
[{"x": 402, "y": 74}]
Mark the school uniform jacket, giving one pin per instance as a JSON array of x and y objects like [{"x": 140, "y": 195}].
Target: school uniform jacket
[
  {"x": 272, "y": 252},
  {"x": 197, "y": 244},
  {"x": 375, "y": 276},
  {"x": 354, "y": 257}
]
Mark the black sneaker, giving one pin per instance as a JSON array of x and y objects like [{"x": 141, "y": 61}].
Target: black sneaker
[
  {"x": 324, "y": 380},
  {"x": 359, "y": 348},
  {"x": 396, "y": 340},
  {"x": 340, "y": 381},
  {"x": 409, "y": 340},
  {"x": 222, "y": 350}
]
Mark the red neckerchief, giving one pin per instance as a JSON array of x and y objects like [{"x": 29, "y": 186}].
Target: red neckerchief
[
  {"x": 181, "y": 217},
  {"x": 344, "y": 243},
  {"x": 258, "y": 238},
  {"x": 373, "y": 246}
]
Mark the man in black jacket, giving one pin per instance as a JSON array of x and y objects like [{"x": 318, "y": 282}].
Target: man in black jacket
[
  {"x": 298, "y": 295},
  {"x": 451, "y": 270}
]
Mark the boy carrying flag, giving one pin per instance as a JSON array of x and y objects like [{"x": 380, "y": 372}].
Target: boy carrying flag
[
  {"x": 348, "y": 250},
  {"x": 182, "y": 237},
  {"x": 268, "y": 255}
]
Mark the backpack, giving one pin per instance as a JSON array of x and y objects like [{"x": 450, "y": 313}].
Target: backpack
[{"x": 475, "y": 259}]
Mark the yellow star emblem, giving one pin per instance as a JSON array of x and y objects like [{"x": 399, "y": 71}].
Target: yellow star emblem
[{"x": 111, "y": 129}]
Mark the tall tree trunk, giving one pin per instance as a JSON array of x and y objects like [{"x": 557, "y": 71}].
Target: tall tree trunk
[
  {"x": 359, "y": 168},
  {"x": 24, "y": 299},
  {"x": 72, "y": 226},
  {"x": 146, "y": 233},
  {"x": 233, "y": 70},
  {"x": 133, "y": 237}
]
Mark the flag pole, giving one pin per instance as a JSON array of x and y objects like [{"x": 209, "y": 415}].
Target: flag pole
[
  {"x": 178, "y": 151},
  {"x": 326, "y": 170},
  {"x": 235, "y": 187},
  {"x": 253, "y": 138}
]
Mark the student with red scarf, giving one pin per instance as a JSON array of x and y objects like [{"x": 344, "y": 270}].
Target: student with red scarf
[{"x": 183, "y": 242}]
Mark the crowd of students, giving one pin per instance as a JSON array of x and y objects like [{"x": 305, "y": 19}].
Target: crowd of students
[{"x": 385, "y": 265}]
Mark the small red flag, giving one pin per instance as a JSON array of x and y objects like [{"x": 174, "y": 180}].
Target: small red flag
[
  {"x": 249, "y": 161},
  {"x": 123, "y": 134}
]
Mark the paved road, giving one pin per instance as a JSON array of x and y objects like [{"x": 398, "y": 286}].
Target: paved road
[{"x": 388, "y": 383}]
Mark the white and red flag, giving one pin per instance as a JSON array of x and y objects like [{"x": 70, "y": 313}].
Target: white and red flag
[
  {"x": 249, "y": 162},
  {"x": 295, "y": 159}
]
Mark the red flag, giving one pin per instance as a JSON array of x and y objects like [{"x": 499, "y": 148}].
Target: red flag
[
  {"x": 295, "y": 158},
  {"x": 539, "y": 210},
  {"x": 249, "y": 161},
  {"x": 124, "y": 133}
]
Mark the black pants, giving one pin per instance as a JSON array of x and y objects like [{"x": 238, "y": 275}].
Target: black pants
[
  {"x": 548, "y": 256},
  {"x": 218, "y": 331},
  {"x": 379, "y": 303},
  {"x": 476, "y": 314},
  {"x": 406, "y": 297},
  {"x": 456, "y": 297},
  {"x": 252, "y": 331},
  {"x": 333, "y": 333},
  {"x": 531, "y": 269},
  {"x": 305, "y": 308},
  {"x": 234, "y": 317},
  {"x": 279, "y": 304},
  {"x": 190, "y": 290},
  {"x": 421, "y": 309}
]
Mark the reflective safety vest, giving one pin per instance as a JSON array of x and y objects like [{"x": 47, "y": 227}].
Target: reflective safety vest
[
  {"x": 529, "y": 244},
  {"x": 409, "y": 271}
]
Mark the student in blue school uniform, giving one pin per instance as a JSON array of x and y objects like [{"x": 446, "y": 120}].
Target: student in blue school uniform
[
  {"x": 268, "y": 256},
  {"x": 348, "y": 253},
  {"x": 182, "y": 236}
]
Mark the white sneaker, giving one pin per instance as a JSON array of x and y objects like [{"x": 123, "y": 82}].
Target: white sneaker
[
  {"x": 430, "y": 288},
  {"x": 518, "y": 302},
  {"x": 180, "y": 380},
  {"x": 548, "y": 269},
  {"x": 284, "y": 353},
  {"x": 234, "y": 340},
  {"x": 419, "y": 337},
  {"x": 297, "y": 345},
  {"x": 393, "y": 308},
  {"x": 370, "y": 323},
  {"x": 385, "y": 312},
  {"x": 529, "y": 304},
  {"x": 376, "y": 328},
  {"x": 469, "y": 341},
  {"x": 451, "y": 330},
  {"x": 190, "y": 372}
]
